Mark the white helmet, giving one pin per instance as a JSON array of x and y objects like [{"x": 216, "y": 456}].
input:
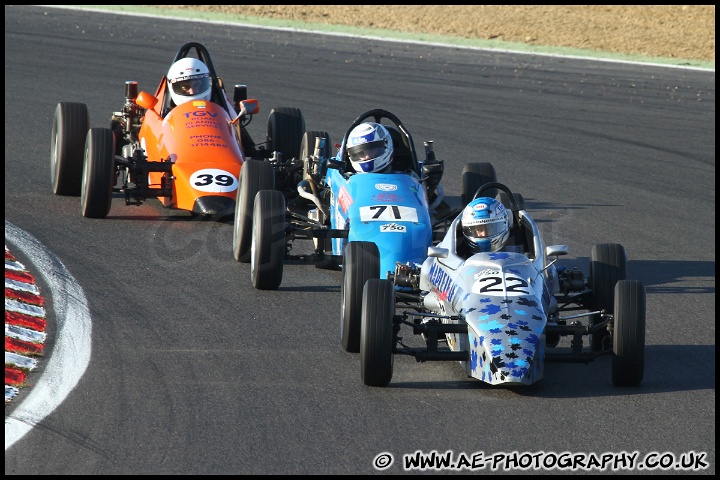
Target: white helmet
[
  {"x": 189, "y": 79},
  {"x": 485, "y": 223},
  {"x": 370, "y": 148}
]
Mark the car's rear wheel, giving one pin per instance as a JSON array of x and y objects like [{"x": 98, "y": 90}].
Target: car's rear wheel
[
  {"x": 307, "y": 148},
  {"x": 98, "y": 177},
  {"x": 285, "y": 129},
  {"x": 268, "y": 240},
  {"x": 67, "y": 145},
  {"x": 608, "y": 264},
  {"x": 474, "y": 176},
  {"x": 628, "y": 359},
  {"x": 376, "y": 343},
  {"x": 255, "y": 175},
  {"x": 504, "y": 198},
  {"x": 361, "y": 262}
]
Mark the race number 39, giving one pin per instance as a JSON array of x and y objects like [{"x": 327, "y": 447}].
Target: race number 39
[
  {"x": 388, "y": 213},
  {"x": 213, "y": 180}
]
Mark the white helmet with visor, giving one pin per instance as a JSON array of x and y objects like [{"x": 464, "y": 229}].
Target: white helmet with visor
[{"x": 189, "y": 79}]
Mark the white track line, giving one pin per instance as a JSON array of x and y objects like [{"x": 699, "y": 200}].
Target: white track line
[{"x": 70, "y": 354}]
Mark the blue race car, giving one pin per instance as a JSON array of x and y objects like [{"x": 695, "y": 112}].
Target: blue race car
[{"x": 321, "y": 197}]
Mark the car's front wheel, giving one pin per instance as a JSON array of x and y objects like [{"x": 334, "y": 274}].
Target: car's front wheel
[
  {"x": 67, "y": 144},
  {"x": 268, "y": 240},
  {"x": 376, "y": 342},
  {"x": 98, "y": 177},
  {"x": 628, "y": 359},
  {"x": 361, "y": 262},
  {"x": 255, "y": 175}
]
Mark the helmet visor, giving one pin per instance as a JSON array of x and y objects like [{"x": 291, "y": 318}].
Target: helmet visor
[
  {"x": 191, "y": 86},
  {"x": 485, "y": 230},
  {"x": 367, "y": 151}
]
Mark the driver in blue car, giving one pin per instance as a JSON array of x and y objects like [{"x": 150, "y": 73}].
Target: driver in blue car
[
  {"x": 375, "y": 148},
  {"x": 370, "y": 148},
  {"x": 485, "y": 225}
]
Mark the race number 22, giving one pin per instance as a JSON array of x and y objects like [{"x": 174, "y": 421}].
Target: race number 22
[{"x": 493, "y": 284}]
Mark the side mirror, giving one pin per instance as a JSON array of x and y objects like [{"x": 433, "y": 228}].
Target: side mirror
[
  {"x": 250, "y": 106},
  {"x": 146, "y": 101},
  {"x": 437, "y": 252},
  {"x": 556, "y": 250}
]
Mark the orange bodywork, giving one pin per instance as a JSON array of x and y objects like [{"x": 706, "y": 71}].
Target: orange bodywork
[{"x": 204, "y": 148}]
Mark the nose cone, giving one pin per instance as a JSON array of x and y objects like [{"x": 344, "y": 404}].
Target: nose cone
[
  {"x": 506, "y": 342},
  {"x": 214, "y": 206}
]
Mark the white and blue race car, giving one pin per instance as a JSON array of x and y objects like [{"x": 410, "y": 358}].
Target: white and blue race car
[{"x": 501, "y": 314}]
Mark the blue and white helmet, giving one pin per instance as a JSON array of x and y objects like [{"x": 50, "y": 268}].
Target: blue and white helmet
[
  {"x": 370, "y": 148},
  {"x": 189, "y": 79},
  {"x": 485, "y": 224}
]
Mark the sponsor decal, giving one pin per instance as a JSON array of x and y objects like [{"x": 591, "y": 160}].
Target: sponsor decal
[
  {"x": 480, "y": 206},
  {"x": 546, "y": 294},
  {"x": 387, "y": 197},
  {"x": 443, "y": 283},
  {"x": 486, "y": 272},
  {"x": 344, "y": 199},
  {"x": 386, "y": 187},
  {"x": 393, "y": 227},
  {"x": 203, "y": 115},
  {"x": 189, "y": 77},
  {"x": 207, "y": 140}
]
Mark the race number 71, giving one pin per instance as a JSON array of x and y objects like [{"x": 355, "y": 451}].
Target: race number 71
[{"x": 388, "y": 213}]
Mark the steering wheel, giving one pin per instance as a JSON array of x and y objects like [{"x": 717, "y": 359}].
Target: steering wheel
[
  {"x": 511, "y": 197},
  {"x": 377, "y": 115}
]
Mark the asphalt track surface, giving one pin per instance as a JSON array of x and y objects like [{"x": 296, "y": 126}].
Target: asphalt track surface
[{"x": 192, "y": 371}]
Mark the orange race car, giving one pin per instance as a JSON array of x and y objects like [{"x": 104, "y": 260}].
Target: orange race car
[{"x": 184, "y": 145}]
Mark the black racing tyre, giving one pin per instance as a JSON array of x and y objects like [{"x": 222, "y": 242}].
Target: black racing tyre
[
  {"x": 268, "y": 240},
  {"x": 504, "y": 199},
  {"x": 67, "y": 146},
  {"x": 608, "y": 264},
  {"x": 285, "y": 130},
  {"x": 628, "y": 359},
  {"x": 361, "y": 262},
  {"x": 255, "y": 175},
  {"x": 376, "y": 337},
  {"x": 98, "y": 177},
  {"x": 307, "y": 147},
  {"x": 474, "y": 176}
]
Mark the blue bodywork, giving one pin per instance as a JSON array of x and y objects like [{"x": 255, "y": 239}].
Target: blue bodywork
[{"x": 390, "y": 209}]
